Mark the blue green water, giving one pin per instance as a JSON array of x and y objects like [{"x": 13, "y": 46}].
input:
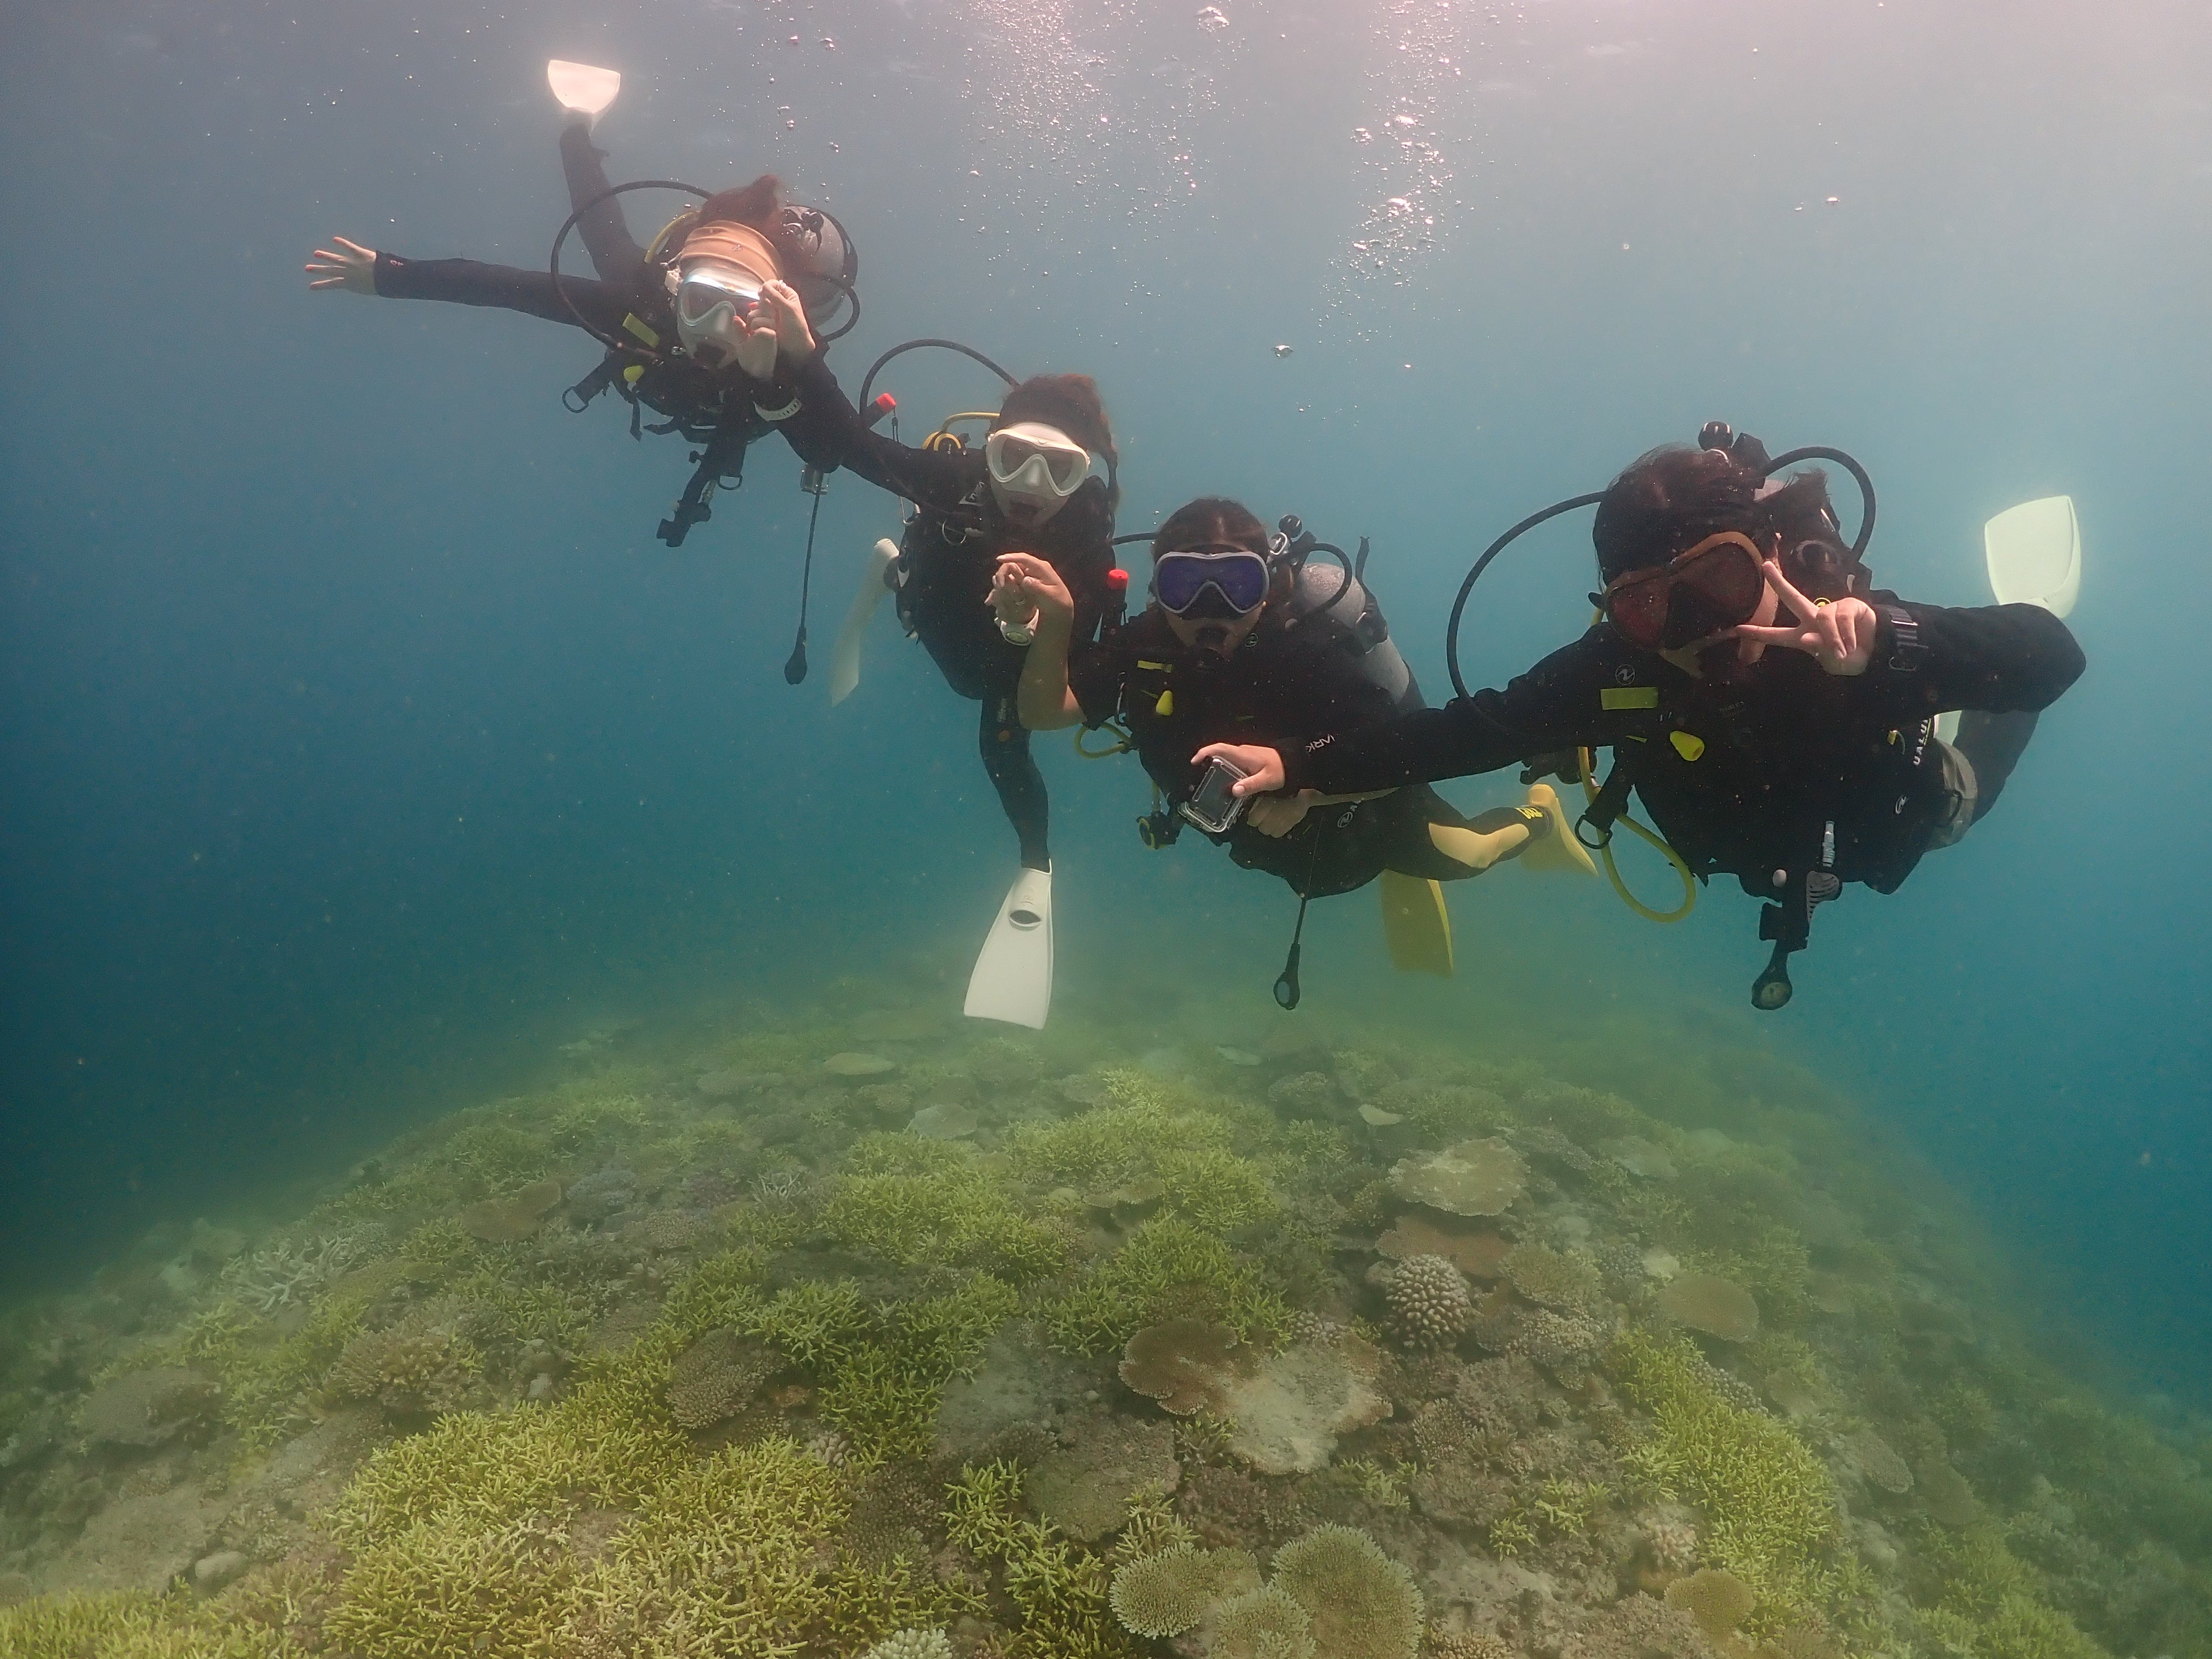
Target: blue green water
[{"x": 359, "y": 741}]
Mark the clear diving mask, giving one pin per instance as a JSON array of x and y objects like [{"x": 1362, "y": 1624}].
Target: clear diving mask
[
  {"x": 1035, "y": 466},
  {"x": 716, "y": 286}
]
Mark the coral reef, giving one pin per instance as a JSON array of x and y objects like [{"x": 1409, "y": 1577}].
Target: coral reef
[
  {"x": 518, "y": 1215},
  {"x": 1268, "y": 1623},
  {"x": 716, "y": 1378},
  {"x": 1363, "y": 1604},
  {"x": 1428, "y": 1300},
  {"x": 1166, "y": 1594},
  {"x": 739, "y": 1350},
  {"x": 1186, "y": 1364},
  {"x": 912, "y": 1644},
  {"x": 1568, "y": 1283},
  {"x": 1711, "y": 1304},
  {"x": 1475, "y": 1177}
]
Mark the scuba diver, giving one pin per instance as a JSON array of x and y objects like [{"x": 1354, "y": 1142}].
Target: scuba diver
[
  {"x": 1243, "y": 639},
  {"x": 1775, "y": 711},
  {"x": 1030, "y": 486},
  {"x": 684, "y": 335}
]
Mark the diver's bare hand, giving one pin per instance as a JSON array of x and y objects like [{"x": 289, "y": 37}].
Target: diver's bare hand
[
  {"x": 351, "y": 266},
  {"x": 794, "y": 337},
  {"x": 755, "y": 353},
  {"x": 1838, "y": 635},
  {"x": 1262, "y": 768},
  {"x": 1277, "y": 815},
  {"x": 1025, "y": 585}
]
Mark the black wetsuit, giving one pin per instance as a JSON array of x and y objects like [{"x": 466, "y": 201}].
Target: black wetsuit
[
  {"x": 1284, "y": 686},
  {"x": 1791, "y": 770},
  {"x": 628, "y": 300},
  {"x": 946, "y": 559}
]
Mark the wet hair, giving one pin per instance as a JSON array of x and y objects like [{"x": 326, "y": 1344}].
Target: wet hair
[
  {"x": 1211, "y": 518},
  {"x": 1070, "y": 402},
  {"x": 1674, "y": 497},
  {"x": 757, "y": 205}
]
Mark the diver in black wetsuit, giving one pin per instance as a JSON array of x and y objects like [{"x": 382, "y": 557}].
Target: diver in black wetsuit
[
  {"x": 679, "y": 320},
  {"x": 1030, "y": 488},
  {"x": 1238, "y": 645},
  {"x": 1773, "y": 708}
]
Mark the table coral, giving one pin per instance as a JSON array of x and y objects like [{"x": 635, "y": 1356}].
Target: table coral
[
  {"x": 1713, "y": 1306},
  {"x": 1363, "y": 1604},
  {"x": 1719, "y": 1600},
  {"x": 1262, "y": 1624},
  {"x": 149, "y": 1407},
  {"x": 1186, "y": 1364},
  {"x": 1568, "y": 1283},
  {"x": 1475, "y": 1177},
  {"x": 1167, "y": 1594},
  {"x": 1288, "y": 1412},
  {"x": 518, "y": 1215}
]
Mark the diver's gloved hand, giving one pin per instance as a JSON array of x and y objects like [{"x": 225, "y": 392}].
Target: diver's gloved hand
[
  {"x": 1838, "y": 635},
  {"x": 786, "y": 319},
  {"x": 1024, "y": 585},
  {"x": 352, "y": 268}
]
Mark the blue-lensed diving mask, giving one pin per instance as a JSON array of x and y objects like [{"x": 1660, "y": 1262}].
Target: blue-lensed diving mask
[{"x": 1237, "y": 577}]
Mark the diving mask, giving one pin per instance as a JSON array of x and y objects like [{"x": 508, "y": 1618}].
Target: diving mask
[
  {"x": 716, "y": 286},
  {"x": 1033, "y": 461},
  {"x": 1716, "y": 585},
  {"x": 1238, "y": 576}
]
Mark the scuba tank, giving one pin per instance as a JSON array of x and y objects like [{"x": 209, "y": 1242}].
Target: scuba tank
[{"x": 1339, "y": 600}]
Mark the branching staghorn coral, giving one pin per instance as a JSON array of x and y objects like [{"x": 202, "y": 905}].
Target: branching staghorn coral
[
  {"x": 954, "y": 1213},
  {"x": 287, "y": 1274},
  {"x": 1769, "y": 1503},
  {"x": 1167, "y": 1270},
  {"x": 1060, "y": 1589}
]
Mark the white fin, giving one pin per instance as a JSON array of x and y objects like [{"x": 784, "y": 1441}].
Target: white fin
[
  {"x": 1947, "y": 726},
  {"x": 1013, "y": 981},
  {"x": 845, "y": 659},
  {"x": 2035, "y": 554},
  {"x": 582, "y": 89}
]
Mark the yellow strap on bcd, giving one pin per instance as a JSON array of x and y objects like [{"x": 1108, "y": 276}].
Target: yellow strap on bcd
[{"x": 1651, "y": 837}]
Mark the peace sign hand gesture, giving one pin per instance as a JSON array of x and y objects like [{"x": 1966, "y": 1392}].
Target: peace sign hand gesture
[{"x": 1837, "y": 635}]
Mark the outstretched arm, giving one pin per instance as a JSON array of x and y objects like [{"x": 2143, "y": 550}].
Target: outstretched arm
[
  {"x": 829, "y": 433},
  {"x": 351, "y": 268}
]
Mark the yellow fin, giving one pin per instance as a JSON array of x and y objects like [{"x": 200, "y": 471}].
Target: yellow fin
[
  {"x": 1416, "y": 925},
  {"x": 1165, "y": 706},
  {"x": 1559, "y": 850}
]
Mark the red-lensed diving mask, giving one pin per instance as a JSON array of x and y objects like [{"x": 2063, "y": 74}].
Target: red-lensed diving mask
[{"x": 1716, "y": 585}]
